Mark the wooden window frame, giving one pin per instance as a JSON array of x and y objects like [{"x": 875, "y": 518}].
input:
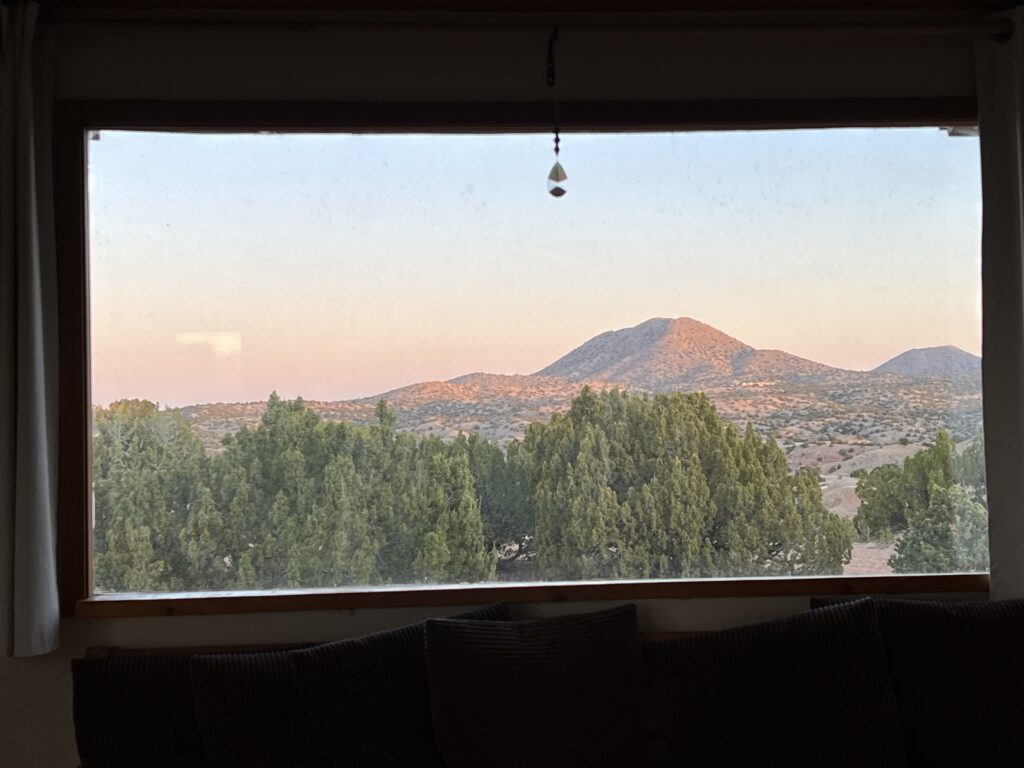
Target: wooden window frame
[{"x": 72, "y": 121}]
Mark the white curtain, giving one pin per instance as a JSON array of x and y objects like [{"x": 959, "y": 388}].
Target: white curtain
[
  {"x": 29, "y": 614},
  {"x": 1000, "y": 67}
]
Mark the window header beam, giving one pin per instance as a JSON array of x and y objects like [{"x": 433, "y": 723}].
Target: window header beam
[
  {"x": 525, "y": 6},
  {"x": 1001, "y": 28},
  {"x": 522, "y": 117}
]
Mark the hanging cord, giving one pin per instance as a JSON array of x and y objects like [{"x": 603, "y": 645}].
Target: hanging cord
[
  {"x": 551, "y": 56},
  {"x": 557, "y": 137},
  {"x": 551, "y": 81}
]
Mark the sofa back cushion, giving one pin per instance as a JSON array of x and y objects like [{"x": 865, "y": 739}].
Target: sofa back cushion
[
  {"x": 250, "y": 711},
  {"x": 367, "y": 698},
  {"x": 958, "y": 673},
  {"x": 806, "y": 691},
  {"x": 555, "y": 692},
  {"x": 133, "y": 711}
]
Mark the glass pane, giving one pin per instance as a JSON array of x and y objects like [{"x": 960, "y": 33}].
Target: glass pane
[{"x": 329, "y": 360}]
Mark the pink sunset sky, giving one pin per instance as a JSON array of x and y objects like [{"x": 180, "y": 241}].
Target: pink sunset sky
[{"x": 339, "y": 266}]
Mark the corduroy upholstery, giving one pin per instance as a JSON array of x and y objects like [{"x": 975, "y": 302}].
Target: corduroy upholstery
[
  {"x": 250, "y": 711},
  {"x": 806, "y": 691},
  {"x": 135, "y": 711},
  {"x": 138, "y": 711},
  {"x": 860, "y": 683},
  {"x": 545, "y": 694},
  {"x": 958, "y": 673},
  {"x": 368, "y": 699}
]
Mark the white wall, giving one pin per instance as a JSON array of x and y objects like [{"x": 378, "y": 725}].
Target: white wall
[{"x": 314, "y": 62}]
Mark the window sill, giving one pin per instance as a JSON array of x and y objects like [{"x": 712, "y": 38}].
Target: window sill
[{"x": 211, "y": 603}]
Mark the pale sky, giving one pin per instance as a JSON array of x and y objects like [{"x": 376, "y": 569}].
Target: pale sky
[{"x": 339, "y": 266}]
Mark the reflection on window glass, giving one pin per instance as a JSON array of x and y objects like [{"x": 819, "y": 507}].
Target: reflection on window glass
[{"x": 329, "y": 360}]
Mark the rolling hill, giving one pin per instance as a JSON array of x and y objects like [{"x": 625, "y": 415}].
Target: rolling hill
[
  {"x": 800, "y": 401},
  {"x": 665, "y": 354},
  {"x": 936, "y": 362}
]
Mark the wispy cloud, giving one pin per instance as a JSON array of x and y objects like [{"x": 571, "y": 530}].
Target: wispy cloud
[{"x": 222, "y": 343}]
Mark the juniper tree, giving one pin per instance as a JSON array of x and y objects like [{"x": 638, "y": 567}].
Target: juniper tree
[
  {"x": 932, "y": 506},
  {"x": 637, "y": 486}
]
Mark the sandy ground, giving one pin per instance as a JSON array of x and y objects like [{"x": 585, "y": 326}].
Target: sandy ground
[
  {"x": 839, "y": 493},
  {"x": 869, "y": 559}
]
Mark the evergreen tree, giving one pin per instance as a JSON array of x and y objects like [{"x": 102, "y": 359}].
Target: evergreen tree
[
  {"x": 502, "y": 485},
  {"x": 619, "y": 486},
  {"x": 295, "y": 502},
  {"x": 636, "y": 486},
  {"x": 883, "y": 510},
  {"x": 970, "y": 468},
  {"x": 150, "y": 476},
  {"x": 202, "y": 539},
  {"x": 933, "y": 505},
  {"x": 950, "y": 536}
]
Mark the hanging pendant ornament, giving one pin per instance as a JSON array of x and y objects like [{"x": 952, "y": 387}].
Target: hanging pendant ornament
[{"x": 557, "y": 177}]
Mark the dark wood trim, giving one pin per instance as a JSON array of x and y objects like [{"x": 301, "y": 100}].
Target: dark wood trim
[
  {"x": 74, "y": 118},
  {"x": 517, "y": 117},
  {"x": 74, "y": 482},
  {"x": 207, "y": 603},
  {"x": 524, "y": 6}
]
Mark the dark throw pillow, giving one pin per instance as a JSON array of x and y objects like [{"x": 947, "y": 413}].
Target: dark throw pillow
[
  {"x": 803, "y": 692},
  {"x": 958, "y": 672},
  {"x": 250, "y": 712},
  {"x": 368, "y": 700},
  {"x": 557, "y": 692},
  {"x": 135, "y": 712}
]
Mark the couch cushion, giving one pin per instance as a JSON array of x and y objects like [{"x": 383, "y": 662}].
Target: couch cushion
[
  {"x": 134, "y": 711},
  {"x": 806, "y": 691},
  {"x": 555, "y": 692},
  {"x": 250, "y": 712},
  {"x": 958, "y": 673},
  {"x": 367, "y": 697}
]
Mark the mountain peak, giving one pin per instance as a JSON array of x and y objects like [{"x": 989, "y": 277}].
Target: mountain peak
[
  {"x": 667, "y": 353},
  {"x": 939, "y": 362}
]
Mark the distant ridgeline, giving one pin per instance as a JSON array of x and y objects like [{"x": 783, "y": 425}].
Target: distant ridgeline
[
  {"x": 920, "y": 391},
  {"x": 619, "y": 486}
]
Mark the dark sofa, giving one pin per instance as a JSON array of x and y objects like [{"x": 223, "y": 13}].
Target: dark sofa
[{"x": 865, "y": 682}]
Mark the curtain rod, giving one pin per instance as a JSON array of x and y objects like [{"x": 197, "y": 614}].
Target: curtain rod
[{"x": 1001, "y": 28}]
